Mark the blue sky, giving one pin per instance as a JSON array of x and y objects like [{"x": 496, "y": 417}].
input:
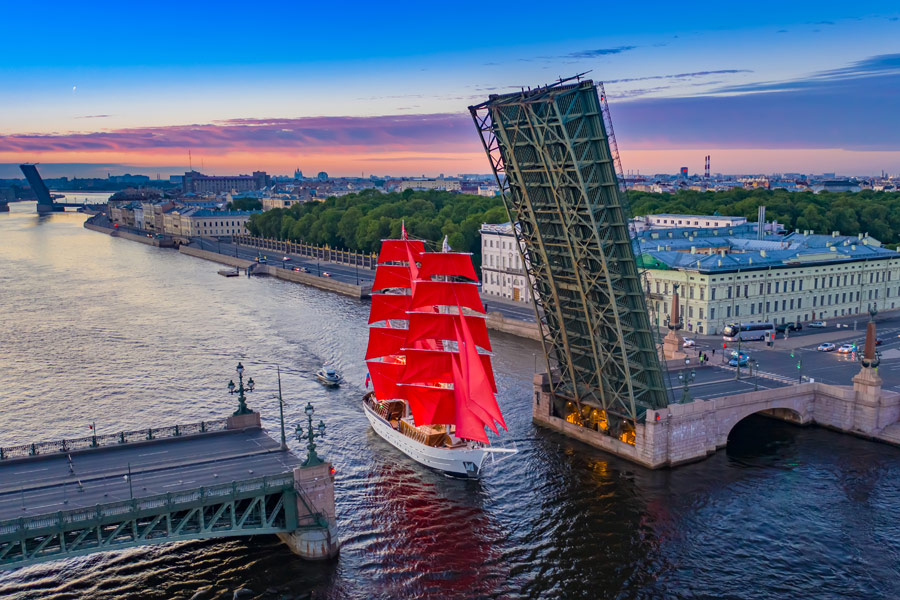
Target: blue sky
[{"x": 810, "y": 83}]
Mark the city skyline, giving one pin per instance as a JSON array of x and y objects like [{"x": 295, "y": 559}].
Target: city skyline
[{"x": 803, "y": 88}]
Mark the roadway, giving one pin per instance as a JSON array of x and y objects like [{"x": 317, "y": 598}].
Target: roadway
[
  {"x": 826, "y": 367},
  {"x": 44, "y": 485},
  {"x": 344, "y": 273}
]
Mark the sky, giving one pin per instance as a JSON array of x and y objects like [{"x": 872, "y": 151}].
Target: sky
[{"x": 383, "y": 88}]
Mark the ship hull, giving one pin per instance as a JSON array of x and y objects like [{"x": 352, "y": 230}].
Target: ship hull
[{"x": 456, "y": 462}]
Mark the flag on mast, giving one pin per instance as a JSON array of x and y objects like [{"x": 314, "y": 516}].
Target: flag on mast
[
  {"x": 403, "y": 230},
  {"x": 445, "y": 246}
]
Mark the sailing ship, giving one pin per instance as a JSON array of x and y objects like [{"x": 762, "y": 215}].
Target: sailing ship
[{"x": 433, "y": 389}]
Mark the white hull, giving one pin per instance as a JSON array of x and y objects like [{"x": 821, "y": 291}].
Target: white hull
[{"x": 459, "y": 462}]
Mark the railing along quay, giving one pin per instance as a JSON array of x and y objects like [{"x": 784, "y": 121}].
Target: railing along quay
[
  {"x": 343, "y": 257},
  {"x": 169, "y": 500},
  {"x": 110, "y": 439}
]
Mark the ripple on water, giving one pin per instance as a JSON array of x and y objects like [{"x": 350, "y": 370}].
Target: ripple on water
[{"x": 96, "y": 328}]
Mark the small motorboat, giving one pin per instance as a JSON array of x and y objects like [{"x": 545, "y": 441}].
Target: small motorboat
[{"x": 328, "y": 376}]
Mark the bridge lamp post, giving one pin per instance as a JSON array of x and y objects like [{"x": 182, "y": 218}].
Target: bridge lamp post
[
  {"x": 242, "y": 400},
  {"x": 686, "y": 378},
  {"x": 312, "y": 459}
]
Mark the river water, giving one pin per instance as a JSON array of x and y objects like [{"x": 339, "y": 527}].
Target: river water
[{"x": 94, "y": 328}]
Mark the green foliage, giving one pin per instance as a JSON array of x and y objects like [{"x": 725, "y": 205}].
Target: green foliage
[
  {"x": 245, "y": 204},
  {"x": 360, "y": 221},
  {"x": 877, "y": 213}
]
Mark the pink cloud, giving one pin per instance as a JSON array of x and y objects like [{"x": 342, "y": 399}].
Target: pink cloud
[{"x": 453, "y": 132}]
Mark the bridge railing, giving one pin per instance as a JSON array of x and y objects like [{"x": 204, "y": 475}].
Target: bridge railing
[
  {"x": 110, "y": 439},
  {"x": 80, "y": 516}
]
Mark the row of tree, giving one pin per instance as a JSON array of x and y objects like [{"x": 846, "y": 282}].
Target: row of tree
[
  {"x": 360, "y": 221},
  {"x": 877, "y": 213}
]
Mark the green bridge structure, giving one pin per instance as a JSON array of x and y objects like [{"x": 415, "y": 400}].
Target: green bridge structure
[{"x": 213, "y": 479}]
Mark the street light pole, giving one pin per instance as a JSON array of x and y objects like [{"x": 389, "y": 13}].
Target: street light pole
[
  {"x": 312, "y": 459},
  {"x": 281, "y": 411},
  {"x": 242, "y": 400},
  {"x": 686, "y": 377},
  {"x": 737, "y": 372}
]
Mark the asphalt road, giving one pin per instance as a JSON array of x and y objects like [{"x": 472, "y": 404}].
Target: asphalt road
[
  {"x": 827, "y": 367},
  {"x": 345, "y": 273},
  {"x": 46, "y": 485}
]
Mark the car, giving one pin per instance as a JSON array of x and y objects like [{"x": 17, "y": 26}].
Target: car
[
  {"x": 878, "y": 341},
  {"x": 742, "y": 361},
  {"x": 301, "y": 269},
  {"x": 847, "y": 349},
  {"x": 326, "y": 274},
  {"x": 735, "y": 354},
  {"x": 261, "y": 260},
  {"x": 826, "y": 347},
  {"x": 788, "y": 327},
  {"x": 816, "y": 324},
  {"x": 688, "y": 343}
]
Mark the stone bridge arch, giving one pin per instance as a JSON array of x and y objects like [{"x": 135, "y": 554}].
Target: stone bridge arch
[{"x": 793, "y": 404}]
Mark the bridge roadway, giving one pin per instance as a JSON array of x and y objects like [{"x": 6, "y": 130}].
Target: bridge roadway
[{"x": 46, "y": 484}]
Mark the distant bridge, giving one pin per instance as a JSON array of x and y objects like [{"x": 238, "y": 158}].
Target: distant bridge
[
  {"x": 45, "y": 202},
  {"x": 204, "y": 480}
]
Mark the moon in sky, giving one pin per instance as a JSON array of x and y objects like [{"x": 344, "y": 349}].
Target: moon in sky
[{"x": 73, "y": 88}]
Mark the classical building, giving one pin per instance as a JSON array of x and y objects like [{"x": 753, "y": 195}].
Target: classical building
[
  {"x": 215, "y": 223},
  {"x": 727, "y": 275},
  {"x": 198, "y": 183},
  {"x": 502, "y": 274}
]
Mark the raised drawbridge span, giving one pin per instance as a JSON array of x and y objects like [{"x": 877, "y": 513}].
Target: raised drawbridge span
[{"x": 550, "y": 151}]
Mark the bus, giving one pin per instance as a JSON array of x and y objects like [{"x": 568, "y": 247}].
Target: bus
[{"x": 747, "y": 331}]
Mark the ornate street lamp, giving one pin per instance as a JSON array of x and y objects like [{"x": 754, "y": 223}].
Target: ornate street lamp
[
  {"x": 686, "y": 378},
  {"x": 312, "y": 459},
  {"x": 242, "y": 400}
]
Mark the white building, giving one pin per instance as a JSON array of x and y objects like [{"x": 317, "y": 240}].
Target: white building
[{"x": 502, "y": 274}]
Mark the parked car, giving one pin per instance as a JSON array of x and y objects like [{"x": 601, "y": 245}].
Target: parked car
[
  {"x": 847, "y": 348},
  {"x": 817, "y": 324},
  {"x": 688, "y": 343},
  {"x": 788, "y": 327},
  {"x": 826, "y": 347}
]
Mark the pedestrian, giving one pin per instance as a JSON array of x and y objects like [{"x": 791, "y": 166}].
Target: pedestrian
[{"x": 714, "y": 351}]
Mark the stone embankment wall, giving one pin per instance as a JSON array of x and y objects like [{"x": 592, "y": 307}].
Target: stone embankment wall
[
  {"x": 525, "y": 329},
  {"x": 325, "y": 283}
]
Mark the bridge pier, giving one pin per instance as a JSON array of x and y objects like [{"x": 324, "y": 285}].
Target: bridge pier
[
  {"x": 316, "y": 538},
  {"x": 683, "y": 433}
]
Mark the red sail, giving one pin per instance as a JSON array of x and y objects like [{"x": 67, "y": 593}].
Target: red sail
[
  {"x": 430, "y": 404},
  {"x": 384, "y": 379},
  {"x": 391, "y": 276},
  {"x": 447, "y": 263},
  {"x": 384, "y": 341},
  {"x": 388, "y": 306},
  {"x": 442, "y": 326},
  {"x": 427, "y": 367},
  {"x": 396, "y": 250},
  {"x": 434, "y": 293},
  {"x": 481, "y": 388},
  {"x": 469, "y": 425}
]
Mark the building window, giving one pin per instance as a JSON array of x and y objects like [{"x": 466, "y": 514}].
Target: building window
[
  {"x": 801, "y": 285},
  {"x": 760, "y": 288},
  {"x": 816, "y": 283},
  {"x": 712, "y": 313},
  {"x": 792, "y": 304},
  {"x": 727, "y": 312},
  {"x": 776, "y": 286},
  {"x": 783, "y": 305},
  {"x": 752, "y": 309},
  {"x": 702, "y": 292},
  {"x": 701, "y": 312},
  {"x": 691, "y": 292},
  {"x": 737, "y": 310},
  {"x": 769, "y": 288},
  {"x": 767, "y": 307},
  {"x": 759, "y": 310},
  {"x": 712, "y": 294},
  {"x": 729, "y": 294}
]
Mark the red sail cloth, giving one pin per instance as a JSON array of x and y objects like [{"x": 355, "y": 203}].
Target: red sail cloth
[
  {"x": 447, "y": 263},
  {"x": 389, "y": 306},
  {"x": 384, "y": 379},
  {"x": 384, "y": 341},
  {"x": 481, "y": 388},
  {"x": 428, "y": 367},
  {"x": 391, "y": 276},
  {"x": 396, "y": 250},
  {"x": 432, "y": 293},
  {"x": 469, "y": 425},
  {"x": 430, "y": 405},
  {"x": 442, "y": 326}
]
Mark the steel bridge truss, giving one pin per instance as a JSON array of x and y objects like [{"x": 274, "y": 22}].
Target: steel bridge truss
[
  {"x": 550, "y": 153},
  {"x": 265, "y": 505}
]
